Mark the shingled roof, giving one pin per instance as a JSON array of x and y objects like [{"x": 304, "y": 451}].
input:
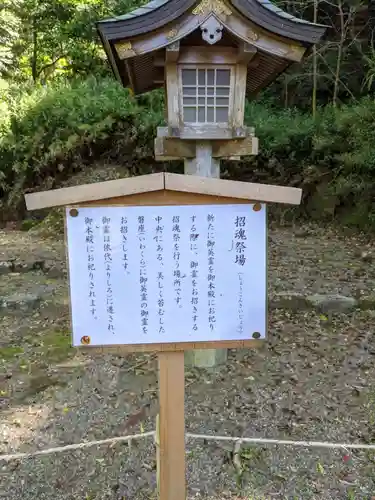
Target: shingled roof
[{"x": 136, "y": 68}]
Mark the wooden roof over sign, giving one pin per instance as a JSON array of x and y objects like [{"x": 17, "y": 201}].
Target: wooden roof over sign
[
  {"x": 162, "y": 182},
  {"x": 133, "y": 42}
]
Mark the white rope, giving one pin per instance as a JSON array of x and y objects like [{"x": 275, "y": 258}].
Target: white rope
[
  {"x": 307, "y": 444},
  {"x": 79, "y": 446}
]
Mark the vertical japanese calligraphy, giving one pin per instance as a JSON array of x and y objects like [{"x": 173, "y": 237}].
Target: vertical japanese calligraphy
[
  {"x": 177, "y": 276},
  {"x": 240, "y": 240},
  {"x": 158, "y": 238},
  {"x": 124, "y": 242},
  {"x": 240, "y": 303},
  {"x": 90, "y": 244},
  {"x": 143, "y": 278},
  {"x": 194, "y": 271},
  {"x": 107, "y": 248},
  {"x": 211, "y": 277},
  {"x": 167, "y": 274}
]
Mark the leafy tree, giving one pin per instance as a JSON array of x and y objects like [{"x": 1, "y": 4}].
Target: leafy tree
[
  {"x": 9, "y": 26},
  {"x": 334, "y": 71},
  {"x": 55, "y": 38}
]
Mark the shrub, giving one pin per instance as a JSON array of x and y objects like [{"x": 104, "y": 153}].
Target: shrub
[
  {"x": 54, "y": 131},
  {"x": 47, "y": 134},
  {"x": 335, "y": 152}
]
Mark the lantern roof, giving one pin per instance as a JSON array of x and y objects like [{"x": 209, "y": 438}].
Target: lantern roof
[{"x": 133, "y": 41}]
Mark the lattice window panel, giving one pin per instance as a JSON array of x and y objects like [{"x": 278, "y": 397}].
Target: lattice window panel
[{"x": 206, "y": 95}]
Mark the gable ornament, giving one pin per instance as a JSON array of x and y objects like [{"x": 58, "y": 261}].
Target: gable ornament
[{"x": 212, "y": 30}]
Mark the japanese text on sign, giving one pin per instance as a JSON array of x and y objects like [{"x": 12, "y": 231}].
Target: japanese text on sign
[{"x": 144, "y": 275}]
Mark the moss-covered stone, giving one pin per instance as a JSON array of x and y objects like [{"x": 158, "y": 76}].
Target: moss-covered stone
[
  {"x": 52, "y": 226},
  {"x": 20, "y": 301},
  {"x": 367, "y": 302},
  {"x": 27, "y": 224},
  {"x": 332, "y": 303},
  {"x": 291, "y": 301},
  {"x": 322, "y": 204}
]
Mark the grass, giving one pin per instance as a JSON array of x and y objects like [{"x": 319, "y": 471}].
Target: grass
[
  {"x": 10, "y": 352},
  {"x": 31, "y": 362},
  {"x": 52, "y": 347},
  {"x": 56, "y": 346}
]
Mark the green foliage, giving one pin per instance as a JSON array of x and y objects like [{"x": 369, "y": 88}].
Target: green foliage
[
  {"x": 48, "y": 40},
  {"x": 54, "y": 131},
  {"x": 340, "y": 141},
  {"x": 332, "y": 158},
  {"x": 55, "y": 118},
  {"x": 9, "y": 27},
  {"x": 48, "y": 134},
  {"x": 369, "y": 80},
  {"x": 10, "y": 352}
]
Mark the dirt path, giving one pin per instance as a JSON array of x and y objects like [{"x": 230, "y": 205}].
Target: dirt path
[{"x": 313, "y": 380}]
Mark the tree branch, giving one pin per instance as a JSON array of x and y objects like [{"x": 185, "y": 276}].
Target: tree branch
[{"x": 49, "y": 65}]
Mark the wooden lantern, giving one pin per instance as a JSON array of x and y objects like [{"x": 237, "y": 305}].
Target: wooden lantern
[{"x": 209, "y": 55}]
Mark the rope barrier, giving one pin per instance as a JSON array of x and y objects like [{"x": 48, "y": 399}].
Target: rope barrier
[
  {"x": 307, "y": 444},
  {"x": 60, "y": 449}
]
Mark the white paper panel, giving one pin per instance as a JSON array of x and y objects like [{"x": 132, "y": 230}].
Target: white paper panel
[{"x": 167, "y": 274}]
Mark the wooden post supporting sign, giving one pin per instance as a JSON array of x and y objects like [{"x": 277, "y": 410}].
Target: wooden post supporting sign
[{"x": 171, "y": 463}]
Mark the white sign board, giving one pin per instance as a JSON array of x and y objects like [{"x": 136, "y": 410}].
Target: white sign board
[{"x": 145, "y": 275}]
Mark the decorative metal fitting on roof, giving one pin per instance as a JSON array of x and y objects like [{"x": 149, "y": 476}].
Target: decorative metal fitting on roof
[
  {"x": 172, "y": 33},
  {"x": 123, "y": 49},
  {"x": 252, "y": 35},
  {"x": 215, "y": 6}
]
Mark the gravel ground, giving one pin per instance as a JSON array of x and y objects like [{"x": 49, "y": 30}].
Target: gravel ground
[{"x": 313, "y": 380}]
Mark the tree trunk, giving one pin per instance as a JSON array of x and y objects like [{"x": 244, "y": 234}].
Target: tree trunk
[
  {"x": 343, "y": 29},
  {"x": 371, "y": 23},
  {"x": 315, "y": 64},
  {"x": 34, "y": 70}
]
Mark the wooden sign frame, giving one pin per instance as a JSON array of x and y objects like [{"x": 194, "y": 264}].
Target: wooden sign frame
[
  {"x": 165, "y": 198},
  {"x": 158, "y": 190}
]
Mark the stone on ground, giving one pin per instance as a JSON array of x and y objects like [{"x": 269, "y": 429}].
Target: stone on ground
[{"x": 332, "y": 303}]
